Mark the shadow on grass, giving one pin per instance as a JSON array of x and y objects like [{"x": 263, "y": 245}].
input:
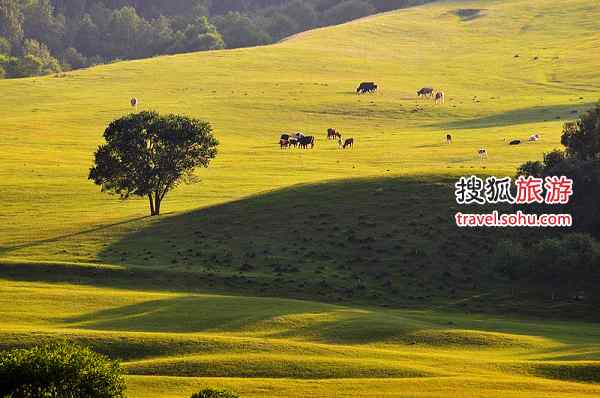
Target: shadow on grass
[
  {"x": 536, "y": 114},
  {"x": 6, "y": 250},
  {"x": 388, "y": 242},
  {"x": 199, "y": 313}
]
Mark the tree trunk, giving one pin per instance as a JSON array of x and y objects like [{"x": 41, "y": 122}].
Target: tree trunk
[
  {"x": 157, "y": 200},
  {"x": 152, "y": 210}
]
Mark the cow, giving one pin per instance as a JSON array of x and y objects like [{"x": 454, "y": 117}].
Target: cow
[
  {"x": 482, "y": 153},
  {"x": 293, "y": 142},
  {"x": 285, "y": 137},
  {"x": 332, "y": 134},
  {"x": 307, "y": 141},
  {"x": 284, "y": 144},
  {"x": 425, "y": 92},
  {"x": 448, "y": 139},
  {"x": 534, "y": 138},
  {"x": 514, "y": 142},
  {"x": 366, "y": 87},
  {"x": 348, "y": 143},
  {"x": 440, "y": 97}
]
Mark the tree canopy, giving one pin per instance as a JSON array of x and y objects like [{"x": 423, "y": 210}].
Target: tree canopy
[
  {"x": 147, "y": 155},
  {"x": 579, "y": 161}
]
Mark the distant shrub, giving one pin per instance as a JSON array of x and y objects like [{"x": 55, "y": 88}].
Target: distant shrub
[
  {"x": 510, "y": 259},
  {"x": 5, "y": 46},
  {"x": 59, "y": 370},
  {"x": 552, "y": 159},
  {"x": 531, "y": 169},
  {"x": 558, "y": 262},
  {"x": 214, "y": 393},
  {"x": 72, "y": 59}
]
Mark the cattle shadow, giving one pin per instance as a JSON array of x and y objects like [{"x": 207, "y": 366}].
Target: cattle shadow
[{"x": 536, "y": 114}]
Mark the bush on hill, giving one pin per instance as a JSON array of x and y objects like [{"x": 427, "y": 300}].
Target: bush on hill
[
  {"x": 565, "y": 264},
  {"x": 214, "y": 393},
  {"x": 59, "y": 370}
]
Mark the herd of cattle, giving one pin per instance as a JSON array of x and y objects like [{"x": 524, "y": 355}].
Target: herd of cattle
[
  {"x": 425, "y": 92},
  {"x": 299, "y": 140}
]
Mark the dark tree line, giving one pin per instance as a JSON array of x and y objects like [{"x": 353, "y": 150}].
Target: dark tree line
[
  {"x": 569, "y": 261},
  {"x": 39, "y": 37}
]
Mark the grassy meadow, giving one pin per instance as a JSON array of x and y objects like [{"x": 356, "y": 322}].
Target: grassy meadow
[{"x": 321, "y": 273}]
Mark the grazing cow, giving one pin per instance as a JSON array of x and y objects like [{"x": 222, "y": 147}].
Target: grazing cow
[
  {"x": 284, "y": 144},
  {"x": 284, "y": 137},
  {"x": 448, "y": 139},
  {"x": 440, "y": 97},
  {"x": 514, "y": 142},
  {"x": 534, "y": 138},
  {"x": 366, "y": 87},
  {"x": 425, "y": 92},
  {"x": 482, "y": 153},
  {"x": 307, "y": 141},
  {"x": 331, "y": 134},
  {"x": 349, "y": 143}
]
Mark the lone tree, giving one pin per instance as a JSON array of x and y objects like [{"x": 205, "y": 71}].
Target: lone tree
[{"x": 147, "y": 154}]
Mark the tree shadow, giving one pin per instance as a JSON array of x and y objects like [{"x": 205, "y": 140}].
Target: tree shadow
[
  {"x": 378, "y": 241},
  {"x": 384, "y": 240},
  {"x": 5, "y": 250}
]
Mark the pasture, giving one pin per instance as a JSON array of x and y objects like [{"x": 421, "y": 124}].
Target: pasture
[{"x": 319, "y": 272}]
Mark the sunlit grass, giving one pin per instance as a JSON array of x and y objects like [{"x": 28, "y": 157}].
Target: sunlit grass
[{"x": 168, "y": 297}]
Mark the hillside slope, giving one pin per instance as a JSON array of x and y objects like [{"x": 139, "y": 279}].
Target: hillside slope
[{"x": 52, "y": 125}]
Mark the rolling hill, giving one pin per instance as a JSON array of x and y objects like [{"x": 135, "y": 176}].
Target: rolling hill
[{"x": 393, "y": 296}]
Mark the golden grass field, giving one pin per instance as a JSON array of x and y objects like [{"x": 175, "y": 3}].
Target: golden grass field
[{"x": 166, "y": 296}]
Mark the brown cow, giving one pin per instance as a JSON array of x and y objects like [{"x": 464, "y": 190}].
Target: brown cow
[{"x": 349, "y": 143}]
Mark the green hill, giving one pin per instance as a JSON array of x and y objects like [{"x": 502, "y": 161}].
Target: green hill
[{"x": 393, "y": 290}]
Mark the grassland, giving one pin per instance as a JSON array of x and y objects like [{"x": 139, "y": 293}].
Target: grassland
[
  {"x": 393, "y": 296},
  {"x": 287, "y": 348}
]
